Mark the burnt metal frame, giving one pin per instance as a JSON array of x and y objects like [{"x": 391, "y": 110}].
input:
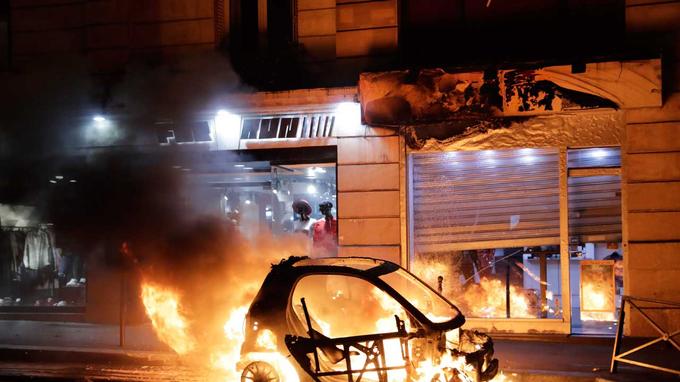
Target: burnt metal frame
[
  {"x": 664, "y": 335},
  {"x": 374, "y": 349}
]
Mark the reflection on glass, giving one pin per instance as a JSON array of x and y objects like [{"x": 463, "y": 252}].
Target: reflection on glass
[
  {"x": 497, "y": 283},
  {"x": 424, "y": 299}
]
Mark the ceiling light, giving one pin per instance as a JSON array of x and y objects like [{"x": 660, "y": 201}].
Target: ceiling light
[
  {"x": 599, "y": 153},
  {"x": 311, "y": 189},
  {"x": 528, "y": 159}
]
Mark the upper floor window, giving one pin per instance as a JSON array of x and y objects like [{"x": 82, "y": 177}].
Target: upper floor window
[
  {"x": 196, "y": 132},
  {"x": 301, "y": 126}
]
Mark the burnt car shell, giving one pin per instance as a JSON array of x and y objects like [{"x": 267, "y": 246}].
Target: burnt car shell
[{"x": 270, "y": 307}]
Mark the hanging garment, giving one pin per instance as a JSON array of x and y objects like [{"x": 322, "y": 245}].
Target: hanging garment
[
  {"x": 18, "y": 243},
  {"x": 38, "y": 250},
  {"x": 6, "y": 259}
]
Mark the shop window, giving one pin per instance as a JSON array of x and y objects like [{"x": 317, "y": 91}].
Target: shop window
[
  {"x": 285, "y": 199},
  {"x": 595, "y": 239},
  {"x": 485, "y": 230},
  {"x": 39, "y": 269}
]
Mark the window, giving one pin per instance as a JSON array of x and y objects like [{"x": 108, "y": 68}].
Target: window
[
  {"x": 309, "y": 126},
  {"x": 195, "y": 132},
  {"x": 595, "y": 238},
  {"x": 341, "y": 306},
  {"x": 485, "y": 229}
]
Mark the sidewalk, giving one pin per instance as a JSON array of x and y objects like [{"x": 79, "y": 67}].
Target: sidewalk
[
  {"x": 578, "y": 359},
  {"x": 45, "y": 341},
  {"x": 40, "y": 348}
]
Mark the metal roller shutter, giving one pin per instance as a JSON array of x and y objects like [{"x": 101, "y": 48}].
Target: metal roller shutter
[
  {"x": 484, "y": 199},
  {"x": 595, "y": 209}
]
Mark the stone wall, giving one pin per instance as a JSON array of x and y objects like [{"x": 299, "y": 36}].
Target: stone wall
[{"x": 652, "y": 174}]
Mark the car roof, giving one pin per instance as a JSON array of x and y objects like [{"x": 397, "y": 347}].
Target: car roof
[{"x": 358, "y": 263}]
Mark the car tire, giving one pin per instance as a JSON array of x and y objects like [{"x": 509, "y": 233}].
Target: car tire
[{"x": 260, "y": 371}]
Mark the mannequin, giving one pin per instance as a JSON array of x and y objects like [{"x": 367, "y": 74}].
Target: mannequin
[
  {"x": 305, "y": 223},
  {"x": 326, "y": 232}
]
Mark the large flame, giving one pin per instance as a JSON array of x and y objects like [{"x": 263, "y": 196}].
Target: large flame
[
  {"x": 488, "y": 299},
  {"x": 202, "y": 317},
  {"x": 163, "y": 308}
]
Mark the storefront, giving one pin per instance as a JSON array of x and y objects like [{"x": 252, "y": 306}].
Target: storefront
[
  {"x": 274, "y": 192},
  {"x": 487, "y": 230},
  {"x": 515, "y": 191}
]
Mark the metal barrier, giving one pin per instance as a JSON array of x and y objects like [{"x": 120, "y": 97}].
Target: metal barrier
[{"x": 664, "y": 334}]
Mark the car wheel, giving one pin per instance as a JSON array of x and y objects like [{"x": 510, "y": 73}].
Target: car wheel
[{"x": 259, "y": 371}]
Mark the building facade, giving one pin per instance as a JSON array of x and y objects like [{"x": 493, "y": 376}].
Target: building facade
[{"x": 573, "y": 161}]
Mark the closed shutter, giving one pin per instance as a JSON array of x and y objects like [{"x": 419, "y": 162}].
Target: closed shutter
[
  {"x": 484, "y": 199},
  {"x": 595, "y": 209}
]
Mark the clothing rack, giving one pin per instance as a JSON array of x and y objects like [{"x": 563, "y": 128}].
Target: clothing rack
[
  {"x": 24, "y": 228},
  {"x": 42, "y": 226}
]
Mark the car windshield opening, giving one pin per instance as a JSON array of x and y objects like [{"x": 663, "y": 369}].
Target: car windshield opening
[{"x": 435, "y": 307}]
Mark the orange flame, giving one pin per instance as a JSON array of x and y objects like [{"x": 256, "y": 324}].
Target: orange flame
[
  {"x": 163, "y": 308},
  {"x": 597, "y": 303},
  {"x": 487, "y": 299}
]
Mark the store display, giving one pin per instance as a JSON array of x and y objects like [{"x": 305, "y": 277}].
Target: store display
[{"x": 33, "y": 271}]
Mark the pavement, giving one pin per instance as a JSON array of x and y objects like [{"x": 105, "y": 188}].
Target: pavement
[{"x": 49, "y": 351}]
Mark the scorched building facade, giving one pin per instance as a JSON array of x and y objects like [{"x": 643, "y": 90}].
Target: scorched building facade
[{"x": 532, "y": 187}]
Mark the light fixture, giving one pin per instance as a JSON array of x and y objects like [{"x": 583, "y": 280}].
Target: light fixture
[
  {"x": 599, "y": 153},
  {"x": 247, "y": 201},
  {"x": 227, "y": 125},
  {"x": 348, "y": 116},
  {"x": 99, "y": 119},
  {"x": 72, "y": 181},
  {"x": 528, "y": 159},
  {"x": 311, "y": 189},
  {"x": 239, "y": 165},
  {"x": 53, "y": 181},
  {"x": 59, "y": 177}
]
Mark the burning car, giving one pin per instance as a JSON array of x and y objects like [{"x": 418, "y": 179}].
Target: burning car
[{"x": 357, "y": 319}]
